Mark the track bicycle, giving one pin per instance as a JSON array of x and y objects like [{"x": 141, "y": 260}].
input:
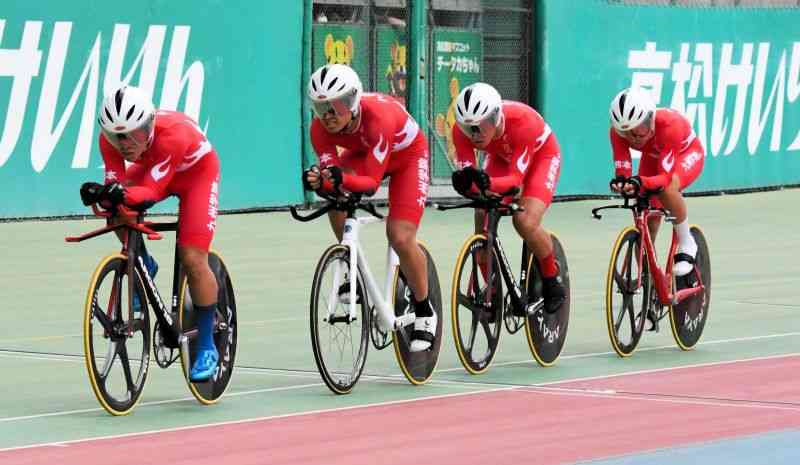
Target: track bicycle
[
  {"x": 116, "y": 332},
  {"x": 348, "y": 309},
  {"x": 480, "y": 308},
  {"x": 638, "y": 290}
]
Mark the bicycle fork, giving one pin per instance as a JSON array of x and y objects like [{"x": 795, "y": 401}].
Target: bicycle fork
[{"x": 349, "y": 240}]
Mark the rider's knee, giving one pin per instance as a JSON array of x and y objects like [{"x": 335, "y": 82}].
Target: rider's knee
[
  {"x": 194, "y": 261},
  {"x": 526, "y": 222},
  {"x": 674, "y": 184},
  {"x": 402, "y": 237}
]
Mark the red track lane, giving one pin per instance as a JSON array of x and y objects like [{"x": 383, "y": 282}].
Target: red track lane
[
  {"x": 515, "y": 427},
  {"x": 766, "y": 380}
]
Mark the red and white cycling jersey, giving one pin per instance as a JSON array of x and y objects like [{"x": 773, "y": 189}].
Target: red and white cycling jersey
[
  {"x": 180, "y": 161},
  {"x": 387, "y": 142},
  {"x": 527, "y": 154},
  {"x": 673, "y": 149}
]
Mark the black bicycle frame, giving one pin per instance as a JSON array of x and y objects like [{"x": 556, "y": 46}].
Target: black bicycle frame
[
  {"x": 495, "y": 209},
  {"x": 131, "y": 248},
  {"x": 518, "y": 292},
  {"x": 170, "y": 327}
]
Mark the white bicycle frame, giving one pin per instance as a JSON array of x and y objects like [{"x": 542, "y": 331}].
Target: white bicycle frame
[{"x": 386, "y": 317}]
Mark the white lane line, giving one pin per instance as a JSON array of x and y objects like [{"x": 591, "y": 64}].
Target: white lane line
[
  {"x": 443, "y": 383},
  {"x": 644, "y": 349},
  {"x": 549, "y": 384},
  {"x": 252, "y": 420},
  {"x": 517, "y": 388},
  {"x": 158, "y": 402},
  {"x": 657, "y": 398}
]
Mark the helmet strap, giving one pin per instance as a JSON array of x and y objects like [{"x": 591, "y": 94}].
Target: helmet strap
[
  {"x": 501, "y": 127},
  {"x": 152, "y": 133},
  {"x": 354, "y": 124}
]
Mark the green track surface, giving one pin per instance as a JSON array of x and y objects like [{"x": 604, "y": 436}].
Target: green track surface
[{"x": 754, "y": 244}]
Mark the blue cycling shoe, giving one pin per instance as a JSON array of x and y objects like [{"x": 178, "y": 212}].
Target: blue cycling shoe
[
  {"x": 205, "y": 365},
  {"x": 152, "y": 269}
]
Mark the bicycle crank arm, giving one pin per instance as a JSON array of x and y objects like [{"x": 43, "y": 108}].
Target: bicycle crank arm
[
  {"x": 187, "y": 366},
  {"x": 681, "y": 295},
  {"x": 403, "y": 321},
  {"x": 534, "y": 307}
]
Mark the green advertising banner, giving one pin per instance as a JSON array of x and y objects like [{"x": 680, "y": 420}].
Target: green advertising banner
[
  {"x": 391, "y": 56},
  {"x": 733, "y": 71},
  {"x": 456, "y": 62},
  {"x": 346, "y": 44},
  {"x": 234, "y": 70}
]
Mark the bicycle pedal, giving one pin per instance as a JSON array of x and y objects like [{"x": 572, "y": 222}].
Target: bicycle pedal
[{"x": 652, "y": 320}]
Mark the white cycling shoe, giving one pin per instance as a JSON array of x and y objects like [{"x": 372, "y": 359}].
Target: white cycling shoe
[
  {"x": 424, "y": 333},
  {"x": 684, "y": 260}
]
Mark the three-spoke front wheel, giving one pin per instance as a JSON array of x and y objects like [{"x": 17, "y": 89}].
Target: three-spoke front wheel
[
  {"x": 116, "y": 340},
  {"x": 628, "y": 292},
  {"x": 477, "y": 305}
]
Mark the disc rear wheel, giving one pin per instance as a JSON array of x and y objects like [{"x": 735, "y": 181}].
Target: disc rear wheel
[
  {"x": 688, "y": 318},
  {"x": 547, "y": 332},
  {"x": 417, "y": 367},
  {"x": 226, "y": 334}
]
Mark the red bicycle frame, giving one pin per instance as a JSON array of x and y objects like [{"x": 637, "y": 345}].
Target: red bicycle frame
[
  {"x": 642, "y": 211},
  {"x": 661, "y": 278}
]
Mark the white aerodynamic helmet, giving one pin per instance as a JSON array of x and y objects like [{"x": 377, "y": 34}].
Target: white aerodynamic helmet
[
  {"x": 127, "y": 113},
  {"x": 335, "y": 88},
  {"x": 478, "y": 107},
  {"x": 630, "y": 108}
]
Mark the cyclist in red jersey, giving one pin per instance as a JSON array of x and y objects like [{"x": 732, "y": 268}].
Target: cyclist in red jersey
[
  {"x": 166, "y": 154},
  {"x": 672, "y": 158},
  {"x": 379, "y": 139},
  {"x": 521, "y": 151}
]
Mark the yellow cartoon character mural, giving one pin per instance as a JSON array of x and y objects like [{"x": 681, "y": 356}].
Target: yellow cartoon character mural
[
  {"x": 444, "y": 123},
  {"x": 338, "y": 51},
  {"x": 396, "y": 72}
]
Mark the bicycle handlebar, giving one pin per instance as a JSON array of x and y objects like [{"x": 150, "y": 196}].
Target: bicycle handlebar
[
  {"x": 598, "y": 216},
  {"x": 486, "y": 202},
  {"x": 642, "y": 202},
  {"x": 311, "y": 217},
  {"x": 143, "y": 228},
  {"x": 640, "y": 195},
  {"x": 346, "y": 202}
]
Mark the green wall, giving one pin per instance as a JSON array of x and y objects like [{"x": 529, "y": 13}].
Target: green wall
[
  {"x": 734, "y": 71},
  {"x": 235, "y": 67}
]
